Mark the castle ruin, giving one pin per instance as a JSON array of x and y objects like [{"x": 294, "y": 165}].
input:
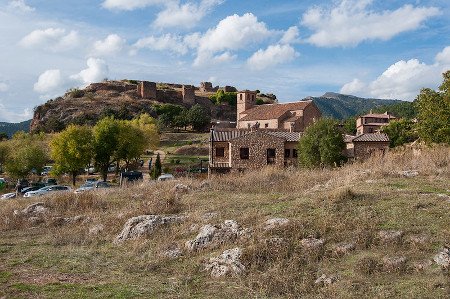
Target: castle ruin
[
  {"x": 147, "y": 90},
  {"x": 188, "y": 92}
]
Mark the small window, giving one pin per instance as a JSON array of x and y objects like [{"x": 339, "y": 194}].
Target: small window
[
  {"x": 294, "y": 153},
  {"x": 266, "y": 125},
  {"x": 287, "y": 153},
  {"x": 271, "y": 154},
  {"x": 244, "y": 153},
  {"x": 220, "y": 152}
]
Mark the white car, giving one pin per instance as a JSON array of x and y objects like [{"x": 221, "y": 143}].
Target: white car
[
  {"x": 8, "y": 195},
  {"x": 46, "y": 190},
  {"x": 166, "y": 177},
  {"x": 92, "y": 186}
]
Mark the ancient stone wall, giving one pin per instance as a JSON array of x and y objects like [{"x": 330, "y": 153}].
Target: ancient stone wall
[
  {"x": 147, "y": 90},
  {"x": 206, "y": 87},
  {"x": 188, "y": 92}
]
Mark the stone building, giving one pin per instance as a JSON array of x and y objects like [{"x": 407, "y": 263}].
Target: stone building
[
  {"x": 206, "y": 87},
  {"x": 364, "y": 145},
  {"x": 237, "y": 150},
  {"x": 147, "y": 90},
  {"x": 293, "y": 117},
  {"x": 372, "y": 123}
]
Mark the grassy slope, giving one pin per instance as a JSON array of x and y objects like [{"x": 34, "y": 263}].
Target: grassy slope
[{"x": 347, "y": 204}]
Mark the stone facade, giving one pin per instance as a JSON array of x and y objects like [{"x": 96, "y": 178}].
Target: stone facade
[
  {"x": 237, "y": 150},
  {"x": 362, "y": 146},
  {"x": 147, "y": 90},
  {"x": 206, "y": 87},
  {"x": 188, "y": 92},
  {"x": 372, "y": 123}
]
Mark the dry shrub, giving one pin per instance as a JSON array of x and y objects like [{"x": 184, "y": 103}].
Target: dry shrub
[
  {"x": 341, "y": 195},
  {"x": 85, "y": 202},
  {"x": 367, "y": 265}
]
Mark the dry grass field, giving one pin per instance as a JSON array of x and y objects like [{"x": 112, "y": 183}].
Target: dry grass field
[{"x": 406, "y": 194}]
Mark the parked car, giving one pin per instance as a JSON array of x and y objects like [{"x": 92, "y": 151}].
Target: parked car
[
  {"x": 46, "y": 170},
  {"x": 28, "y": 189},
  {"x": 8, "y": 195},
  {"x": 47, "y": 190},
  {"x": 166, "y": 177},
  {"x": 132, "y": 175},
  {"x": 93, "y": 186}
]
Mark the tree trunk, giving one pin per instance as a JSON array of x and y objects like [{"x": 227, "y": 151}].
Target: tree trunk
[{"x": 74, "y": 176}]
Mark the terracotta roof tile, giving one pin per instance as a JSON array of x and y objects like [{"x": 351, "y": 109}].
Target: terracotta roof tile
[
  {"x": 222, "y": 136},
  {"x": 382, "y": 115},
  {"x": 271, "y": 111}
]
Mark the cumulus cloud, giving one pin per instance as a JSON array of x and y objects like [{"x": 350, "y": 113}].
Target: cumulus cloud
[
  {"x": 232, "y": 33},
  {"x": 96, "y": 71},
  {"x": 184, "y": 15},
  {"x": 14, "y": 117},
  {"x": 130, "y": 4},
  {"x": 20, "y": 5},
  {"x": 350, "y": 22},
  {"x": 290, "y": 36},
  {"x": 273, "y": 55},
  {"x": 3, "y": 87},
  {"x": 54, "y": 39},
  {"x": 111, "y": 45},
  {"x": 167, "y": 42},
  {"x": 403, "y": 79},
  {"x": 48, "y": 81}
]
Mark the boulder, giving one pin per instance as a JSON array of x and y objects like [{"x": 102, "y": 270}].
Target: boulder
[
  {"x": 325, "y": 280},
  {"x": 173, "y": 253},
  {"x": 443, "y": 258},
  {"x": 275, "y": 222},
  {"x": 312, "y": 244},
  {"x": 227, "y": 263},
  {"x": 390, "y": 236},
  {"x": 343, "y": 248},
  {"x": 145, "y": 225},
  {"x": 391, "y": 264},
  {"x": 34, "y": 209},
  {"x": 214, "y": 235}
]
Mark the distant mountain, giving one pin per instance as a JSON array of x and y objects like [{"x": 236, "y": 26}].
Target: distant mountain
[
  {"x": 342, "y": 106},
  {"x": 11, "y": 128}
]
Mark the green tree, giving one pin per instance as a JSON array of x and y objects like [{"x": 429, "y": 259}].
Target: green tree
[
  {"x": 72, "y": 150},
  {"x": 4, "y": 154},
  {"x": 400, "y": 132},
  {"x": 434, "y": 113},
  {"x": 149, "y": 127},
  {"x": 321, "y": 144},
  {"x": 131, "y": 143},
  {"x": 25, "y": 157},
  {"x": 106, "y": 140},
  {"x": 349, "y": 126},
  {"x": 157, "y": 168},
  {"x": 198, "y": 117},
  {"x": 3, "y": 136}
]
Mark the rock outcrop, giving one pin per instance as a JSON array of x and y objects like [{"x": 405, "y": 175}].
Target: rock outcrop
[{"x": 228, "y": 263}]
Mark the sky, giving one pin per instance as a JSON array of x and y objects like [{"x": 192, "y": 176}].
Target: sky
[{"x": 292, "y": 48}]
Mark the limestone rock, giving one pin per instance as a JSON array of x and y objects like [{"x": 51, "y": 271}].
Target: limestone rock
[
  {"x": 312, "y": 244},
  {"x": 210, "y": 215},
  {"x": 227, "y": 263},
  {"x": 325, "y": 280},
  {"x": 58, "y": 221},
  {"x": 34, "y": 209},
  {"x": 96, "y": 229},
  {"x": 409, "y": 173},
  {"x": 145, "y": 225},
  {"x": 417, "y": 240},
  {"x": 214, "y": 235},
  {"x": 391, "y": 264},
  {"x": 421, "y": 266},
  {"x": 390, "y": 236},
  {"x": 173, "y": 253},
  {"x": 343, "y": 248},
  {"x": 275, "y": 222},
  {"x": 35, "y": 221},
  {"x": 443, "y": 258},
  {"x": 180, "y": 189}
]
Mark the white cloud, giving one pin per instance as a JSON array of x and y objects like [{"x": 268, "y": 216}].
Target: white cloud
[
  {"x": 111, "y": 45},
  {"x": 54, "y": 39},
  {"x": 232, "y": 33},
  {"x": 14, "y": 117},
  {"x": 20, "y": 5},
  {"x": 224, "y": 57},
  {"x": 3, "y": 87},
  {"x": 273, "y": 55},
  {"x": 96, "y": 71},
  {"x": 403, "y": 79},
  {"x": 184, "y": 15},
  {"x": 351, "y": 22},
  {"x": 168, "y": 42},
  {"x": 48, "y": 81},
  {"x": 130, "y": 4},
  {"x": 290, "y": 36}
]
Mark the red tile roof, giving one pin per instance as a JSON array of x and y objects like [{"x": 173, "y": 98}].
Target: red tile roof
[
  {"x": 272, "y": 111},
  {"x": 232, "y": 134},
  {"x": 371, "y": 137}
]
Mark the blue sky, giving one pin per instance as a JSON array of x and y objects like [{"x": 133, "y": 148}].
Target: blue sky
[{"x": 294, "y": 49}]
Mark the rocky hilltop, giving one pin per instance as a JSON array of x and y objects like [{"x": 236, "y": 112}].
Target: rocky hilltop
[{"x": 123, "y": 99}]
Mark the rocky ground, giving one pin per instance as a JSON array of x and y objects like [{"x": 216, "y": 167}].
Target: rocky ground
[{"x": 378, "y": 229}]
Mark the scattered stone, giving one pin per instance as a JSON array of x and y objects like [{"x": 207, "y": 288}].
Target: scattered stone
[
  {"x": 409, "y": 173},
  {"x": 180, "y": 189},
  {"x": 145, "y": 225},
  {"x": 96, "y": 229},
  {"x": 417, "y": 240},
  {"x": 205, "y": 185},
  {"x": 275, "y": 241},
  {"x": 210, "y": 215},
  {"x": 173, "y": 253},
  {"x": 213, "y": 235},
  {"x": 390, "y": 236},
  {"x": 33, "y": 210},
  {"x": 275, "y": 222},
  {"x": 443, "y": 258},
  {"x": 343, "y": 248},
  {"x": 391, "y": 264},
  {"x": 227, "y": 263},
  {"x": 421, "y": 266},
  {"x": 312, "y": 244},
  {"x": 325, "y": 280},
  {"x": 59, "y": 221}
]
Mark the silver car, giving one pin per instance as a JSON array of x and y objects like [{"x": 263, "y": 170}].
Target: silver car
[
  {"x": 93, "y": 186},
  {"x": 46, "y": 190}
]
